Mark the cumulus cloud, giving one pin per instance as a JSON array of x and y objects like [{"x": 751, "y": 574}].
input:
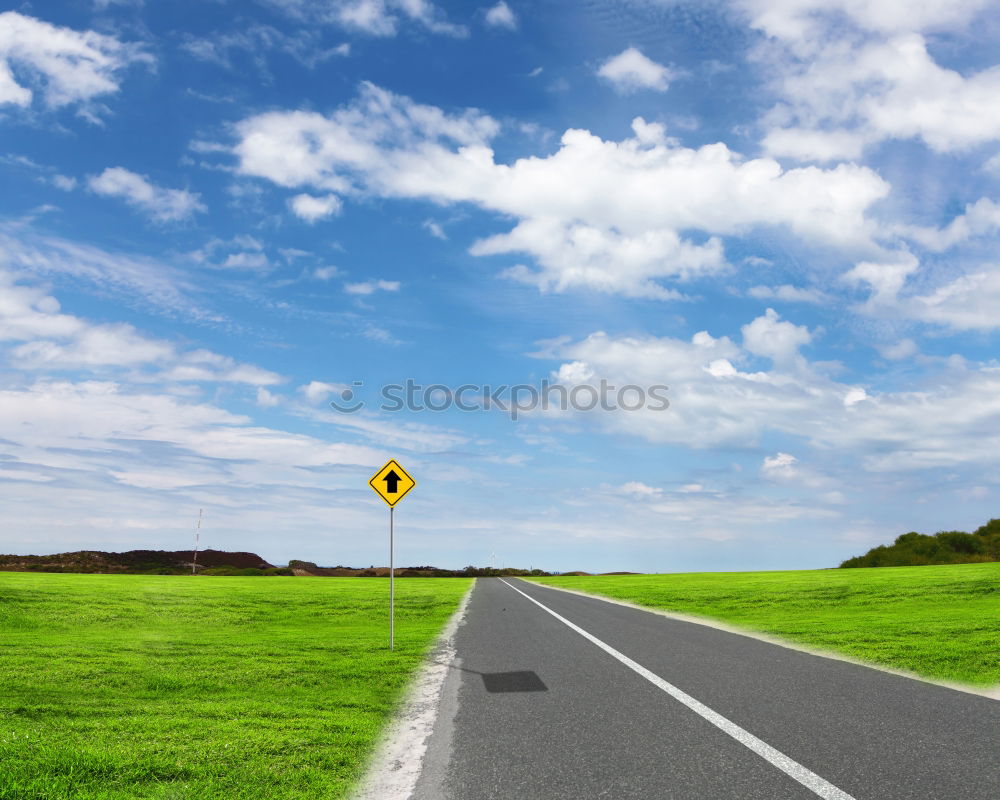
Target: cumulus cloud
[
  {"x": 587, "y": 256},
  {"x": 966, "y": 301},
  {"x": 311, "y": 208},
  {"x": 639, "y": 489},
  {"x": 266, "y": 399},
  {"x": 969, "y": 302},
  {"x": 62, "y": 65},
  {"x": 946, "y": 420},
  {"x": 365, "y": 288},
  {"x": 162, "y": 205},
  {"x": 630, "y": 71},
  {"x": 981, "y": 218},
  {"x": 596, "y": 214},
  {"x": 773, "y": 338},
  {"x": 780, "y": 465},
  {"x": 326, "y": 273},
  {"x": 242, "y": 252},
  {"x": 803, "y": 20},
  {"x": 852, "y": 74},
  {"x": 501, "y": 16},
  {"x": 897, "y": 351},
  {"x": 317, "y": 392},
  {"x": 885, "y": 278}
]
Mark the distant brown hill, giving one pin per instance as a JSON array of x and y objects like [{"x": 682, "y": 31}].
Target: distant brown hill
[
  {"x": 309, "y": 569},
  {"x": 134, "y": 561},
  {"x": 221, "y": 562}
]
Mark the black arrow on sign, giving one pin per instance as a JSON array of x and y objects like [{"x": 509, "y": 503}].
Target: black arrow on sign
[{"x": 392, "y": 482}]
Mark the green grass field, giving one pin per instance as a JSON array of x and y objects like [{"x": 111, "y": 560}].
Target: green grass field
[
  {"x": 939, "y": 622},
  {"x": 179, "y": 688}
]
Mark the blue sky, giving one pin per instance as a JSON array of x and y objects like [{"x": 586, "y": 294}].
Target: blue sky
[{"x": 217, "y": 216}]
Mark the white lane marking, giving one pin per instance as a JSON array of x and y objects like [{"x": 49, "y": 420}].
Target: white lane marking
[
  {"x": 789, "y": 766},
  {"x": 399, "y": 758}
]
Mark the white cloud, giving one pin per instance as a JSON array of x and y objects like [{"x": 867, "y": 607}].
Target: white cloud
[
  {"x": 897, "y": 351},
  {"x": 49, "y": 340},
  {"x": 630, "y": 71},
  {"x": 803, "y": 20},
  {"x": 304, "y": 46},
  {"x": 206, "y": 366},
  {"x": 247, "y": 260},
  {"x": 964, "y": 302},
  {"x": 769, "y": 336},
  {"x": 62, "y": 65},
  {"x": 326, "y": 273},
  {"x": 969, "y": 302},
  {"x": 790, "y": 294},
  {"x": 372, "y": 286},
  {"x": 781, "y": 465},
  {"x": 579, "y": 256},
  {"x": 501, "y": 16},
  {"x": 162, "y": 205},
  {"x": 435, "y": 229},
  {"x": 317, "y": 392},
  {"x": 28, "y": 312},
  {"x": 595, "y": 214},
  {"x": 885, "y": 278},
  {"x": 266, "y": 399},
  {"x": 944, "y": 420},
  {"x": 815, "y": 145},
  {"x": 242, "y": 252},
  {"x": 639, "y": 490},
  {"x": 855, "y": 396},
  {"x": 98, "y": 345},
  {"x": 374, "y": 17},
  {"x": 394, "y": 434},
  {"x": 127, "y": 276},
  {"x": 852, "y": 74},
  {"x": 574, "y": 372},
  {"x": 979, "y": 219},
  {"x": 731, "y": 513},
  {"x": 311, "y": 208},
  {"x": 74, "y": 416}
]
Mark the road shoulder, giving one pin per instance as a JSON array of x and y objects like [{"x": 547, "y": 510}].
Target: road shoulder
[{"x": 399, "y": 759}]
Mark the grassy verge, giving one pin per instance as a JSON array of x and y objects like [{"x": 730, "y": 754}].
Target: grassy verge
[
  {"x": 175, "y": 688},
  {"x": 940, "y": 622}
]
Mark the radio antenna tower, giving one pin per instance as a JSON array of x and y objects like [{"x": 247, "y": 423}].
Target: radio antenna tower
[{"x": 197, "y": 540}]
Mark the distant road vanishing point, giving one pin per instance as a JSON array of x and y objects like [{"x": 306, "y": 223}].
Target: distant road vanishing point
[{"x": 555, "y": 696}]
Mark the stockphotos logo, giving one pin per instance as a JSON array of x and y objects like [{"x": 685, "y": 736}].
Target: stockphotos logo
[{"x": 515, "y": 400}]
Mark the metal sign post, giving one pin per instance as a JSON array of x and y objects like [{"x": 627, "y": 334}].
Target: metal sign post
[
  {"x": 391, "y": 483},
  {"x": 197, "y": 542},
  {"x": 392, "y": 584}
]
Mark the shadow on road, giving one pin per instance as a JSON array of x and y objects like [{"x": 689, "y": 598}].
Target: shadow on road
[
  {"x": 523, "y": 681},
  {"x": 498, "y": 682}
]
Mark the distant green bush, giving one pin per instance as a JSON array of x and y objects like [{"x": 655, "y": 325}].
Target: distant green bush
[
  {"x": 947, "y": 547},
  {"x": 245, "y": 572}
]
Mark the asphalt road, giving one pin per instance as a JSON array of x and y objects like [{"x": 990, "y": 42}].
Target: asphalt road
[{"x": 534, "y": 710}]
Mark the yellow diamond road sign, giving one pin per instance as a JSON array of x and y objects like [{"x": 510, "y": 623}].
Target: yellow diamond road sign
[{"x": 392, "y": 482}]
